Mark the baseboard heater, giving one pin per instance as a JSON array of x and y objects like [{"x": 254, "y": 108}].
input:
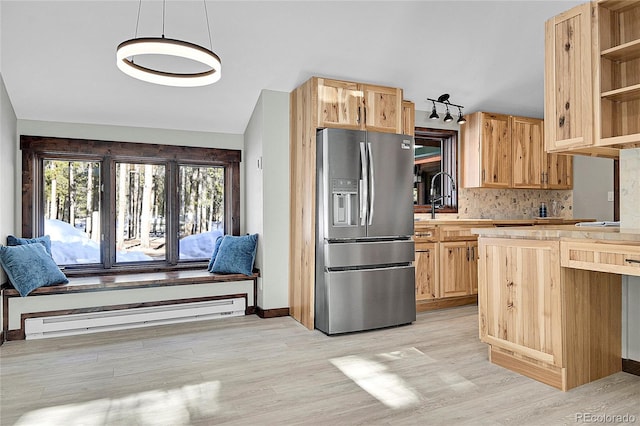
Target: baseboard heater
[{"x": 67, "y": 325}]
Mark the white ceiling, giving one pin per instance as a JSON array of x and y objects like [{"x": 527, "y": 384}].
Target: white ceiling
[{"x": 57, "y": 58}]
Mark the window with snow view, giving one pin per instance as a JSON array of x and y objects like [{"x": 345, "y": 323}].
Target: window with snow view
[
  {"x": 72, "y": 210},
  {"x": 112, "y": 204},
  {"x": 201, "y": 210},
  {"x": 140, "y": 211}
]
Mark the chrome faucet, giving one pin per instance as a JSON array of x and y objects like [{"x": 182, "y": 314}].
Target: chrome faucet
[{"x": 432, "y": 192}]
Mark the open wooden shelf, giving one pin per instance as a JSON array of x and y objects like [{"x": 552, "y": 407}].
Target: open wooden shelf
[
  {"x": 623, "y": 52},
  {"x": 624, "y": 94}
]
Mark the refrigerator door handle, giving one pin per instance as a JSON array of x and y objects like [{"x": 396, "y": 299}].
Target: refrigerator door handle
[
  {"x": 372, "y": 185},
  {"x": 364, "y": 185}
]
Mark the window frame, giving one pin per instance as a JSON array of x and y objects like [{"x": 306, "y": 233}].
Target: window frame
[{"x": 35, "y": 149}]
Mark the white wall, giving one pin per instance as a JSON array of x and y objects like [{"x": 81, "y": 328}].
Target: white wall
[
  {"x": 8, "y": 143},
  {"x": 7, "y": 171},
  {"x": 592, "y": 180},
  {"x": 267, "y": 195}
]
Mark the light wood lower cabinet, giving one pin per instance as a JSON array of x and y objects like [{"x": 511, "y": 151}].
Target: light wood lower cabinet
[
  {"x": 426, "y": 271},
  {"x": 446, "y": 265},
  {"x": 558, "y": 325},
  {"x": 458, "y": 269}
]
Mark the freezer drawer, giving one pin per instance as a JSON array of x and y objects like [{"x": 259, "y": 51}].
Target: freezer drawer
[
  {"x": 339, "y": 255},
  {"x": 365, "y": 299}
]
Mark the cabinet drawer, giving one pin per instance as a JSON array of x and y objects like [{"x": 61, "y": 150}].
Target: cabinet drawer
[
  {"x": 426, "y": 234},
  {"x": 604, "y": 257}
]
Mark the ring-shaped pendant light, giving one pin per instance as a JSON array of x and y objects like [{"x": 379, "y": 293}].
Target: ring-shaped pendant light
[{"x": 168, "y": 47}]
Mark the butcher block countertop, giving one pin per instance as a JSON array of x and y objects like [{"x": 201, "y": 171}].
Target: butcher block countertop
[
  {"x": 419, "y": 223},
  {"x": 587, "y": 233}
]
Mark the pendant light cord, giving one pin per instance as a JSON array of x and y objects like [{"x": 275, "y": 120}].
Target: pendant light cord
[
  {"x": 138, "y": 19},
  {"x": 164, "y": 3},
  {"x": 206, "y": 15}
]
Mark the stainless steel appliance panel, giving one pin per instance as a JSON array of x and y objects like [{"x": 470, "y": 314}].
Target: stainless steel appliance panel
[
  {"x": 391, "y": 184},
  {"x": 341, "y": 184},
  {"x": 367, "y": 299},
  {"x": 339, "y": 255}
]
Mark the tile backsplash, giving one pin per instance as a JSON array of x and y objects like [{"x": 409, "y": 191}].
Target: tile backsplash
[{"x": 477, "y": 203}]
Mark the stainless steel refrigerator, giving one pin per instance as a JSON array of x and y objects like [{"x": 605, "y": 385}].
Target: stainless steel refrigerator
[{"x": 365, "y": 276}]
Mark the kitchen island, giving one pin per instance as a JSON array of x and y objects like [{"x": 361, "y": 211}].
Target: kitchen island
[{"x": 550, "y": 299}]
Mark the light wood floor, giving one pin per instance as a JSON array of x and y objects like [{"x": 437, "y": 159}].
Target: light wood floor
[{"x": 253, "y": 371}]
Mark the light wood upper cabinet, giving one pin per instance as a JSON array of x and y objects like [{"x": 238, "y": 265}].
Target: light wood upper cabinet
[
  {"x": 592, "y": 79},
  {"x": 408, "y": 118},
  {"x": 486, "y": 151},
  {"x": 532, "y": 166},
  {"x": 344, "y": 104},
  {"x": 382, "y": 108},
  {"x": 339, "y": 104},
  {"x": 559, "y": 171},
  {"x": 490, "y": 138},
  {"x": 529, "y": 156},
  {"x": 569, "y": 110}
]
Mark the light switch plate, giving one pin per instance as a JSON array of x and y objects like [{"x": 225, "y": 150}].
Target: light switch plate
[{"x": 610, "y": 196}]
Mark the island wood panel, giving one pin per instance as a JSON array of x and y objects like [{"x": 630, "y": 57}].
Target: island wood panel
[
  {"x": 520, "y": 301},
  {"x": 593, "y": 325},
  {"x": 302, "y": 213}
]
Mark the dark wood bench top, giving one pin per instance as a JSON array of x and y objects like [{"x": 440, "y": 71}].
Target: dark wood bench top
[{"x": 135, "y": 280}]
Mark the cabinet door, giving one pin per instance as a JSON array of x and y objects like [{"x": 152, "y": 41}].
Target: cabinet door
[
  {"x": 382, "y": 108},
  {"x": 426, "y": 271},
  {"x": 569, "y": 104},
  {"x": 520, "y": 296},
  {"x": 495, "y": 151},
  {"x": 527, "y": 143},
  {"x": 339, "y": 104},
  {"x": 408, "y": 118},
  {"x": 454, "y": 271},
  {"x": 472, "y": 266},
  {"x": 559, "y": 174}
]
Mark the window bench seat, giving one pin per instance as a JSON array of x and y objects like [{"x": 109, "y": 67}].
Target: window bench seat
[{"x": 119, "y": 292}]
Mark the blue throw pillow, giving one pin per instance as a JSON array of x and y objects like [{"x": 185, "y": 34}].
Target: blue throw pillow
[
  {"x": 29, "y": 266},
  {"x": 216, "y": 247},
  {"x": 236, "y": 255},
  {"x": 44, "y": 240}
]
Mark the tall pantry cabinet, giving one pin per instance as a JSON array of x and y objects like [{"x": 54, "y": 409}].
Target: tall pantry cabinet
[{"x": 320, "y": 103}]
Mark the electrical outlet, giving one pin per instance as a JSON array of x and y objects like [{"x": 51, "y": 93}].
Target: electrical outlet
[{"x": 610, "y": 196}]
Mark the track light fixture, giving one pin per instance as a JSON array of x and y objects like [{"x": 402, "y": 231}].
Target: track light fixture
[{"x": 444, "y": 100}]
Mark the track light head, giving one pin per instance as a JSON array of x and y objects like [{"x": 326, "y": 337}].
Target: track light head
[
  {"x": 461, "y": 119},
  {"x": 448, "y": 118},
  {"x": 434, "y": 114}
]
